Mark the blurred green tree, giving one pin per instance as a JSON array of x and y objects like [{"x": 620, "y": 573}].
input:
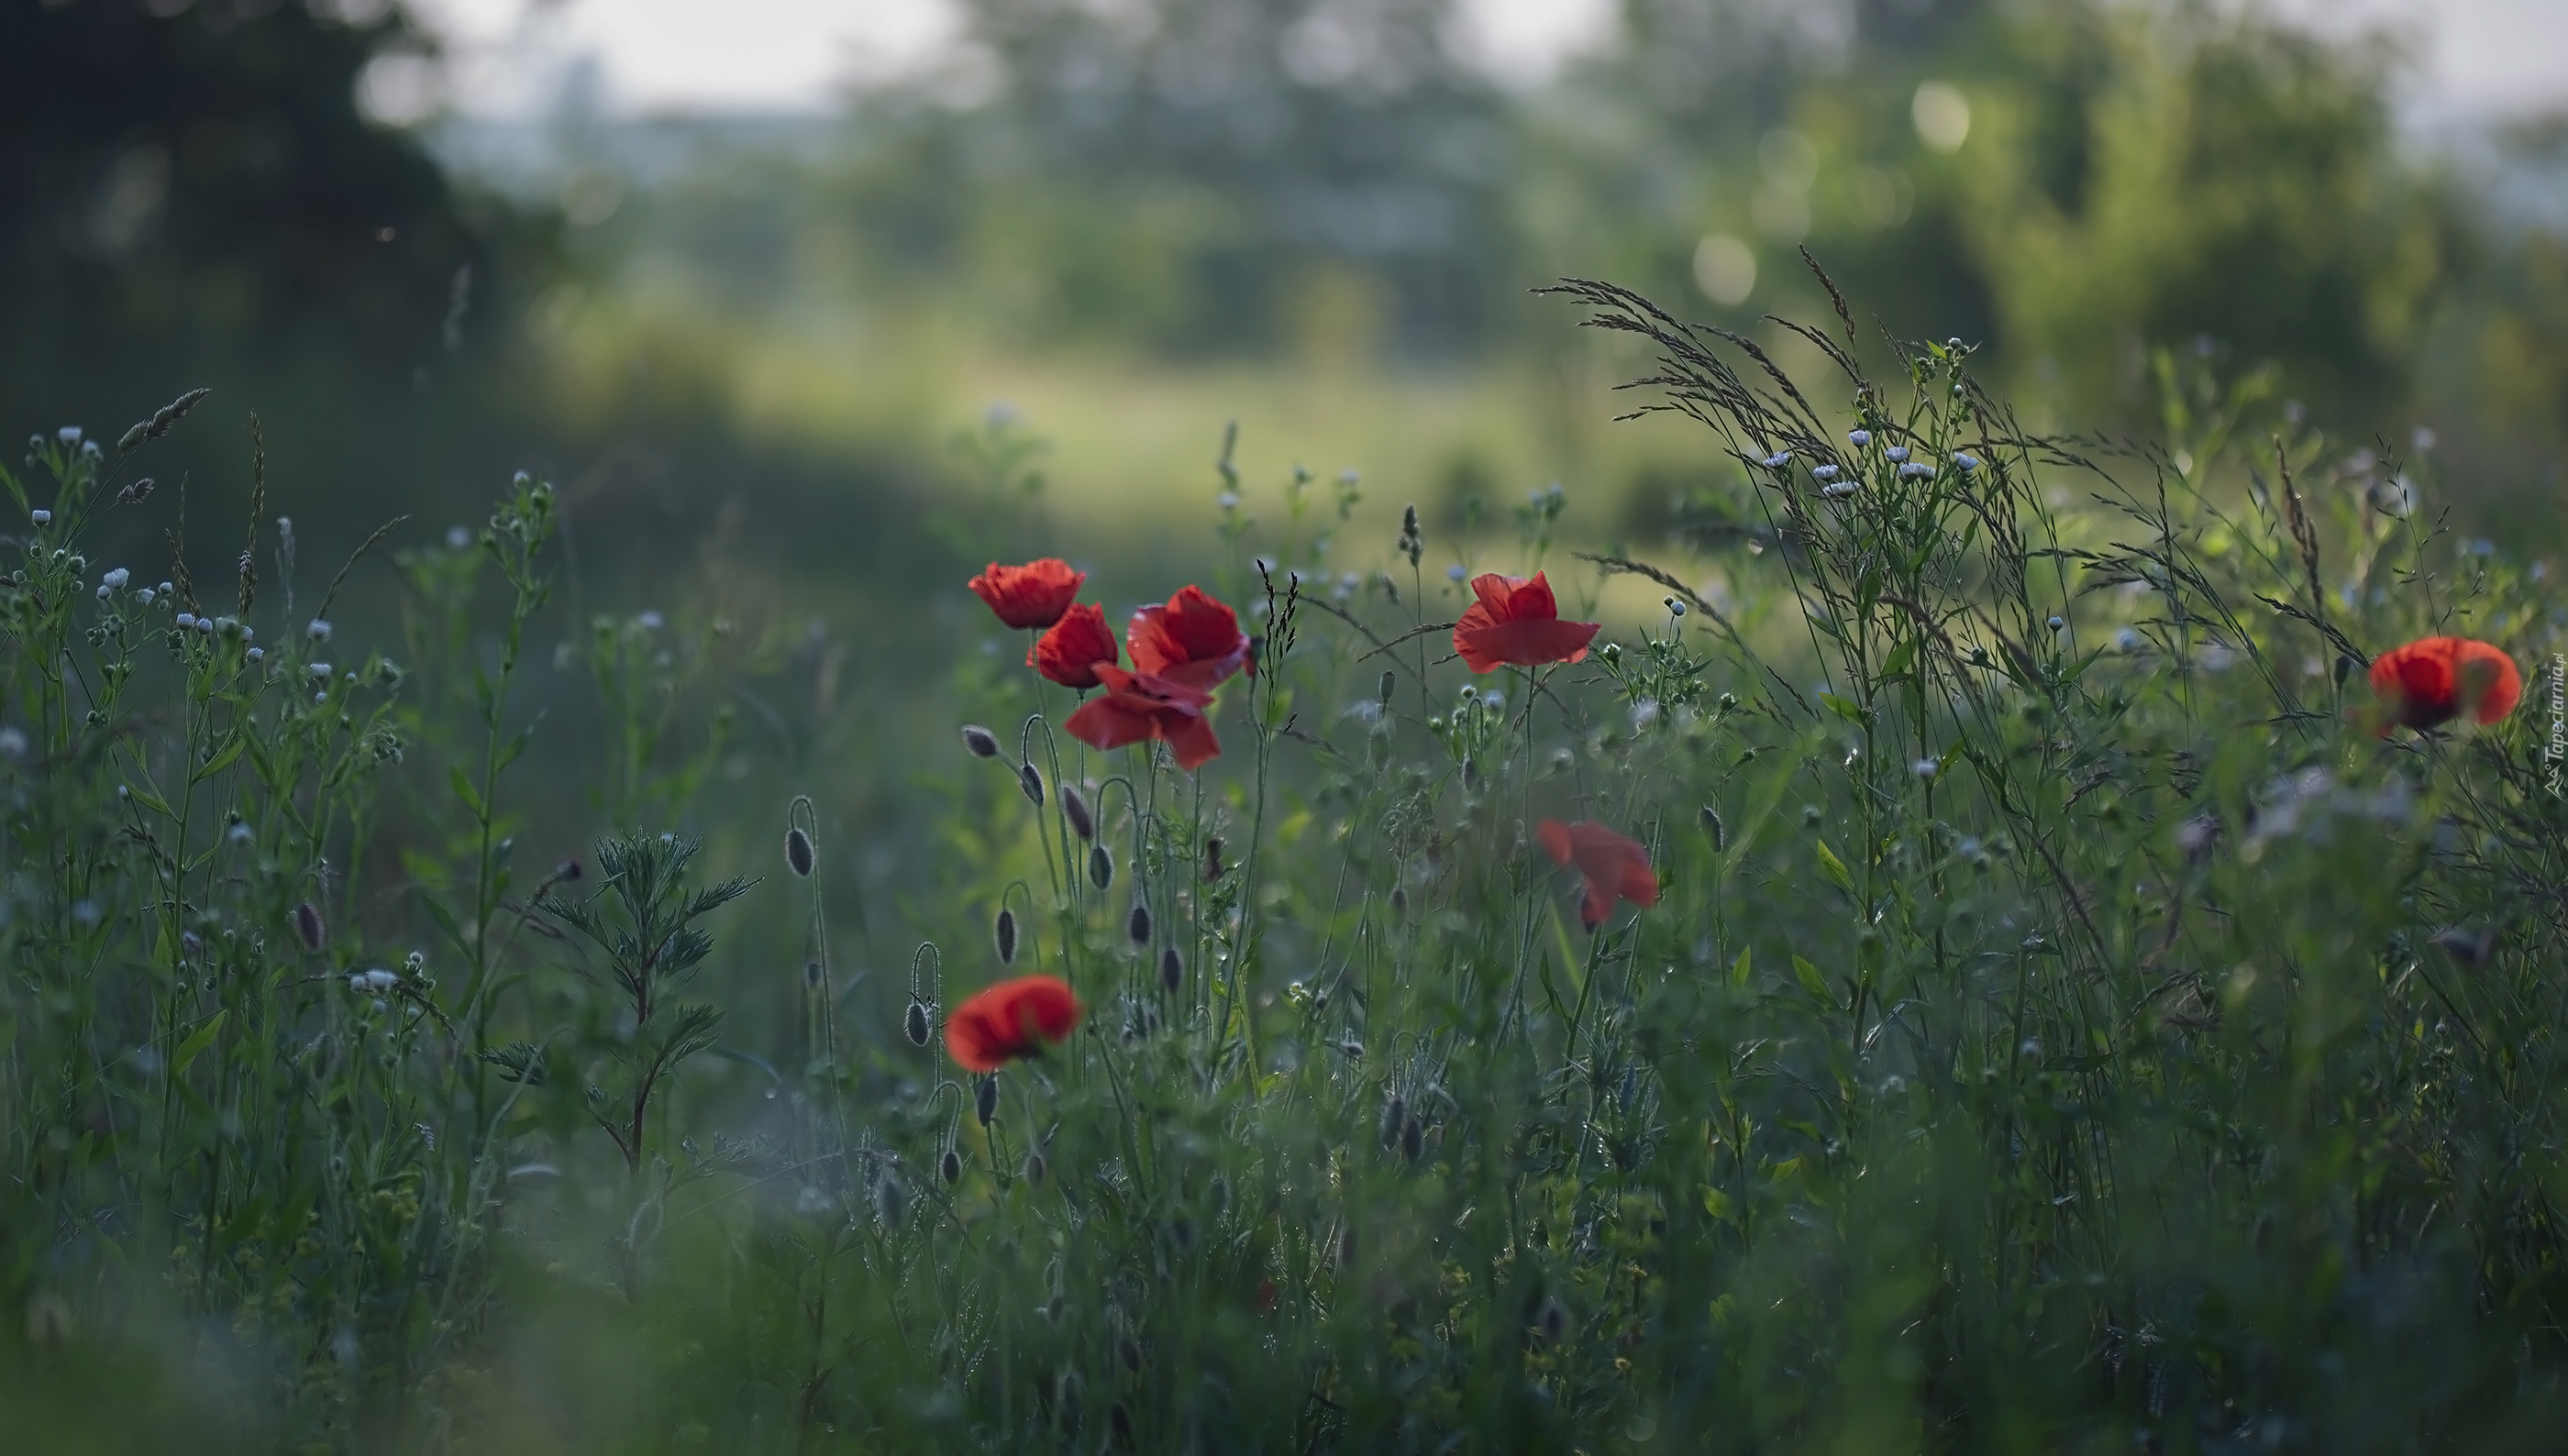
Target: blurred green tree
[
  {"x": 1220, "y": 174},
  {"x": 2071, "y": 182},
  {"x": 194, "y": 190}
]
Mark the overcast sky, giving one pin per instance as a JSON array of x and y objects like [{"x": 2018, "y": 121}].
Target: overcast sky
[{"x": 2481, "y": 56}]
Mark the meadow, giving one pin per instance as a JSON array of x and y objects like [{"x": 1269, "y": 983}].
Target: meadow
[{"x": 2008, "y": 960}]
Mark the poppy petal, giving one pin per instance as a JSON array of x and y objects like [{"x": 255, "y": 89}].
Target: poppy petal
[
  {"x": 1525, "y": 642},
  {"x": 1069, "y": 653}
]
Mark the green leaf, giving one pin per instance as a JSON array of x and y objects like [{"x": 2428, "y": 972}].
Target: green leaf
[
  {"x": 462, "y": 788},
  {"x": 196, "y": 1043},
  {"x": 1720, "y": 1205},
  {"x": 1900, "y": 657},
  {"x": 446, "y": 921},
  {"x": 1811, "y": 981},
  {"x": 219, "y": 761},
  {"x": 1739, "y": 970},
  {"x": 1834, "y": 868},
  {"x": 516, "y": 746},
  {"x": 1844, "y": 707}
]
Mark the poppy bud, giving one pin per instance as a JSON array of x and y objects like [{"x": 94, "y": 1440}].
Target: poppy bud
[
  {"x": 950, "y": 1167},
  {"x": 1074, "y": 809},
  {"x": 985, "y": 1100},
  {"x": 566, "y": 871},
  {"x": 1120, "y": 1421},
  {"x": 810, "y": 972},
  {"x": 1394, "y": 1115},
  {"x": 915, "y": 1022},
  {"x": 1006, "y": 935},
  {"x": 1129, "y": 1350},
  {"x": 1712, "y": 825},
  {"x": 1034, "y": 1168},
  {"x": 1471, "y": 775},
  {"x": 983, "y": 742},
  {"x": 307, "y": 924},
  {"x": 1101, "y": 866},
  {"x": 1031, "y": 782},
  {"x": 1212, "y": 861},
  {"x": 2470, "y": 948},
  {"x": 1552, "y": 1321},
  {"x": 1382, "y": 690},
  {"x": 1173, "y": 969},
  {"x": 1139, "y": 925},
  {"x": 1412, "y": 1139},
  {"x": 1399, "y": 902},
  {"x": 889, "y": 1202},
  {"x": 797, "y": 852}
]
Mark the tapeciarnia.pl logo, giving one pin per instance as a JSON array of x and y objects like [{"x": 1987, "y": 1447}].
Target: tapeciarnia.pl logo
[{"x": 2558, "y": 746}]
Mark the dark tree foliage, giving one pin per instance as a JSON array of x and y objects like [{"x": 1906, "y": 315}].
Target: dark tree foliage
[{"x": 200, "y": 188}]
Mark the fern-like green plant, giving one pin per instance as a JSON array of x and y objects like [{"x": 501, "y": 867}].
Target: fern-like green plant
[{"x": 642, "y": 919}]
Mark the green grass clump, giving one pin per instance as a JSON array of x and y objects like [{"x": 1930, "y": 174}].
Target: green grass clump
[{"x": 2064, "y": 1024}]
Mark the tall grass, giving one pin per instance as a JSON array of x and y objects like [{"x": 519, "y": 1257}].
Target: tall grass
[{"x": 2064, "y": 1025}]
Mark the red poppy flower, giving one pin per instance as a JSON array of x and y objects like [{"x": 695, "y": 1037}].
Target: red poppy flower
[
  {"x": 1029, "y": 595},
  {"x": 1193, "y": 640},
  {"x": 1069, "y": 653},
  {"x": 1518, "y": 621},
  {"x": 1013, "y": 1019},
  {"x": 1142, "y": 706},
  {"x": 1616, "y": 867},
  {"x": 2435, "y": 680}
]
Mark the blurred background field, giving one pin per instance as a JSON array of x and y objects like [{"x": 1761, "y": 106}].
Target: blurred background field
[
  {"x": 428, "y": 243},
  {"x": 810, "y": 309}
]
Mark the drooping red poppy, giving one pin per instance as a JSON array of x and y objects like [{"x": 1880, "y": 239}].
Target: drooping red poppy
[
  {"x": 2435, "y": 680},
  {"x": 1029, "y": 595},
  {"x": 1193, "y": 640},
  {"x": 1516, "y": 620},
  {"x": 1142, "y": 706},
  {"x": 1615, "y": 866},
  {"x": 1013, "y": 1019},
  {"x": 1069, "y": 653}
]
